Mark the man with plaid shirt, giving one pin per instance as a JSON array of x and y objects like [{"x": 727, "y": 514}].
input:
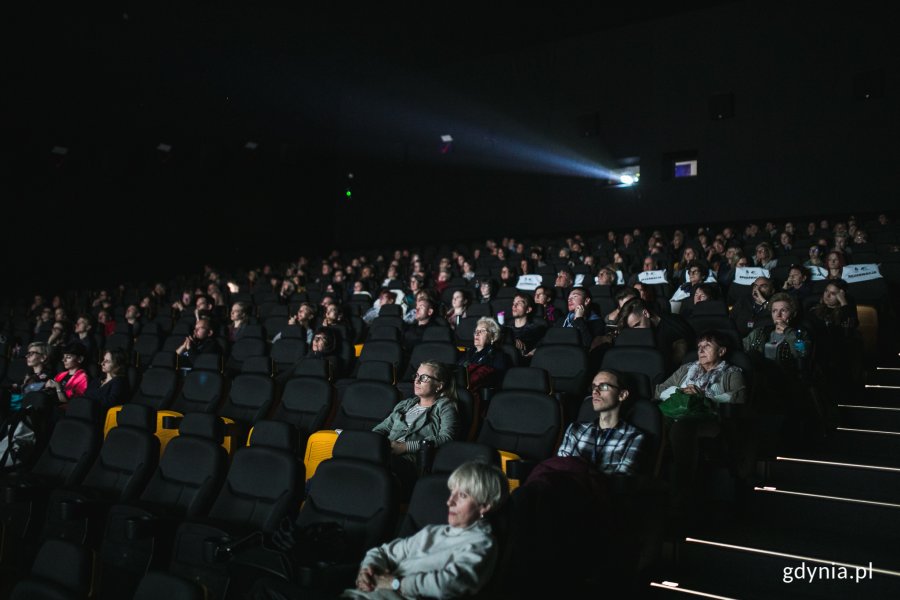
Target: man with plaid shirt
[{"x": 610, "y": 443}]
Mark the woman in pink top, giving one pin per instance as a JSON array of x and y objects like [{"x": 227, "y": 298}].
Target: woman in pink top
[{"x": 73, "y": 381}]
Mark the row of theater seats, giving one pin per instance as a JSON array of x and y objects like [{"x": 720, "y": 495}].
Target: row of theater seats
[{"x": 193, "y": 511}]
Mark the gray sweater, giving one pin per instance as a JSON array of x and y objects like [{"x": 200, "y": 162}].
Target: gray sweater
[{"x": 439, "y": 561}]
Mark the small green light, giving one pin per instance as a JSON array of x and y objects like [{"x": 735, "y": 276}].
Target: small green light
[{"x": 349, "y": 193}]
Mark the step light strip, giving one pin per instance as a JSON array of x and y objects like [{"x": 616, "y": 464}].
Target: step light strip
[
  {"x": 868, "y": 407},
  {"x": 838, "y": 464},
  {"x": 824, "y": 497},
  {"x": 867, "y": 431},
  {"x": 874, "y": 386}
]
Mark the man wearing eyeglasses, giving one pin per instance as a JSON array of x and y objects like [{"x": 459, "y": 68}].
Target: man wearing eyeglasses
[{"x": 610, "y": 443}]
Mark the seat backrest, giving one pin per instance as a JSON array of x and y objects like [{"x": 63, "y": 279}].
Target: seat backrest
[
  {"x": 157, "y": 388},
  {"x": 73, "y": 445},
  {"x": 522, "y": 422},
  {"x": 200, "y": 392},
  {"x": 360, "y": 495},
  {"x": 441, "y": 352},
  {"x": 527, "y": 378},
  {"x": 62, "y": 570},
  {"x": 249, "y": 399},
  {"x": 561, "y": 335},
  {"x": 191, "y": 469},
  {"x": 313, "y": 367},
  {"x": 567, "y": 366},
  {"x": 365, "y": 404},
  {"x": 157, "y": 584},
  {"x": 287, "y": 351},
  {"x": 305, "y": 403},
  {"x": 383, "y": 350},
  {"x": 264, "y": 482},
  {"x": 129, "y": 455},
  {"x": 376, "y": 370},
  {"x": 637, "y": 359},
  {"x": 635, "y": 337}
]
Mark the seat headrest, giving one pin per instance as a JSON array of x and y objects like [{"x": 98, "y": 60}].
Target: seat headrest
[
  {"x": 527, "y": 378},
  {"x": 273, "y": 434},
  {"x": 261, "y": 365},
  {"x": 83, "y": 409},
  {"x": 208, "y": 362},
  {"x": 203, "y": 425},
  {"x": 363, "y": 445},
  {"x": 376, "y": 370},
  {"x": 138, "y": 416},
  {"x": 452, "y": 454}
]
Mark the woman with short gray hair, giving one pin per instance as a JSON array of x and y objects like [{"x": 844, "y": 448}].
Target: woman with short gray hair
[{"x": 441, "y": 561}]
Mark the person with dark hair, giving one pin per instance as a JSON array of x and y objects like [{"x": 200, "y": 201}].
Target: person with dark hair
[
  {"x": 240, "y": 317},
  {"x": 835, "y": 262},
  {"x": 424, "y": 317},
  {"x": 608, "y": 442},
  {"x": 201, "y": 342},
  {"x": 704, "y": 292},
  {"x": 524, "y": 331},
  {"x": 753, "y": 310},
  {"x": 73, "y": 381},
  {"x": 778, "y": 341},
  {"x": 672, "y": 333},
  {"x": 581, "y": 318},
  {"x": 834, "y": 322},
  {"x": 797, "y": 283},
  {"x": 113, "y": 389},
  {"x": 543, "y": 297},
  {"x": 459, "y": 305},
  {"x": 622, "y": 296}
]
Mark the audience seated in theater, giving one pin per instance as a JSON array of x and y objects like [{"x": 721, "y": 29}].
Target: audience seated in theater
[
  {"x": 835, "y": 262},
  {"x": 712, "y": 377},
  {"x": 672, "y": 333},
  {"x": 113, "y": 389},
  {"x": 753, "y": 310},
  {"x": 622, "y": 296},
  {"x": 797, "y": 283},
  {"x": 582, "y": 318},
  {"x": 816, "y": 254},
  {"x": 543, "y": 297},
  {"x": 305, "y": 317},
  {"x": 385, "y": 296},
  {"x": 431, "y": 415},
  {"x": 201, "y": 342},
  {"x": 765, "y": 256},
  {"x": 459, "y": 304},
  {"x": 610, "y": 443},
  {"x": 833, "y": 324},
  {"x": 485, "y": 360},
  {"x": 524, "y": 331},
  {"x": 487, "y": 288},
  {"x": 37, "y": 373},
  {"x": 84, "y": 335},
  {"x": 239, "y": 319},
  {"x": 133, "y": 317},
  {"x": 425, "y": 316},
  {"x": 73, "y": 380}
]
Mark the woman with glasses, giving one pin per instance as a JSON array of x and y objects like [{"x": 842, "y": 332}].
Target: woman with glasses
[
  {"x": 710, "y": 377},
  {"x": 114, "y": 389},
  {"x": 36, "y": 376},
  {"x": 431, "y": 415},
  {"x": 485, "y": 360}
]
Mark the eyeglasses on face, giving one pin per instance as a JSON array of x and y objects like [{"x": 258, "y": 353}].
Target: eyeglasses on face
[
  {"x": 481, "y": 331},
  {"x": 32, "y": 353},
  {"x": 603, "y": 387},
  {"x": 424, "y": 378}
]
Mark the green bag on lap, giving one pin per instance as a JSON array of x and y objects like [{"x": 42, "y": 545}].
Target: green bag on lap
[{"x": 687, "y": 406}]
